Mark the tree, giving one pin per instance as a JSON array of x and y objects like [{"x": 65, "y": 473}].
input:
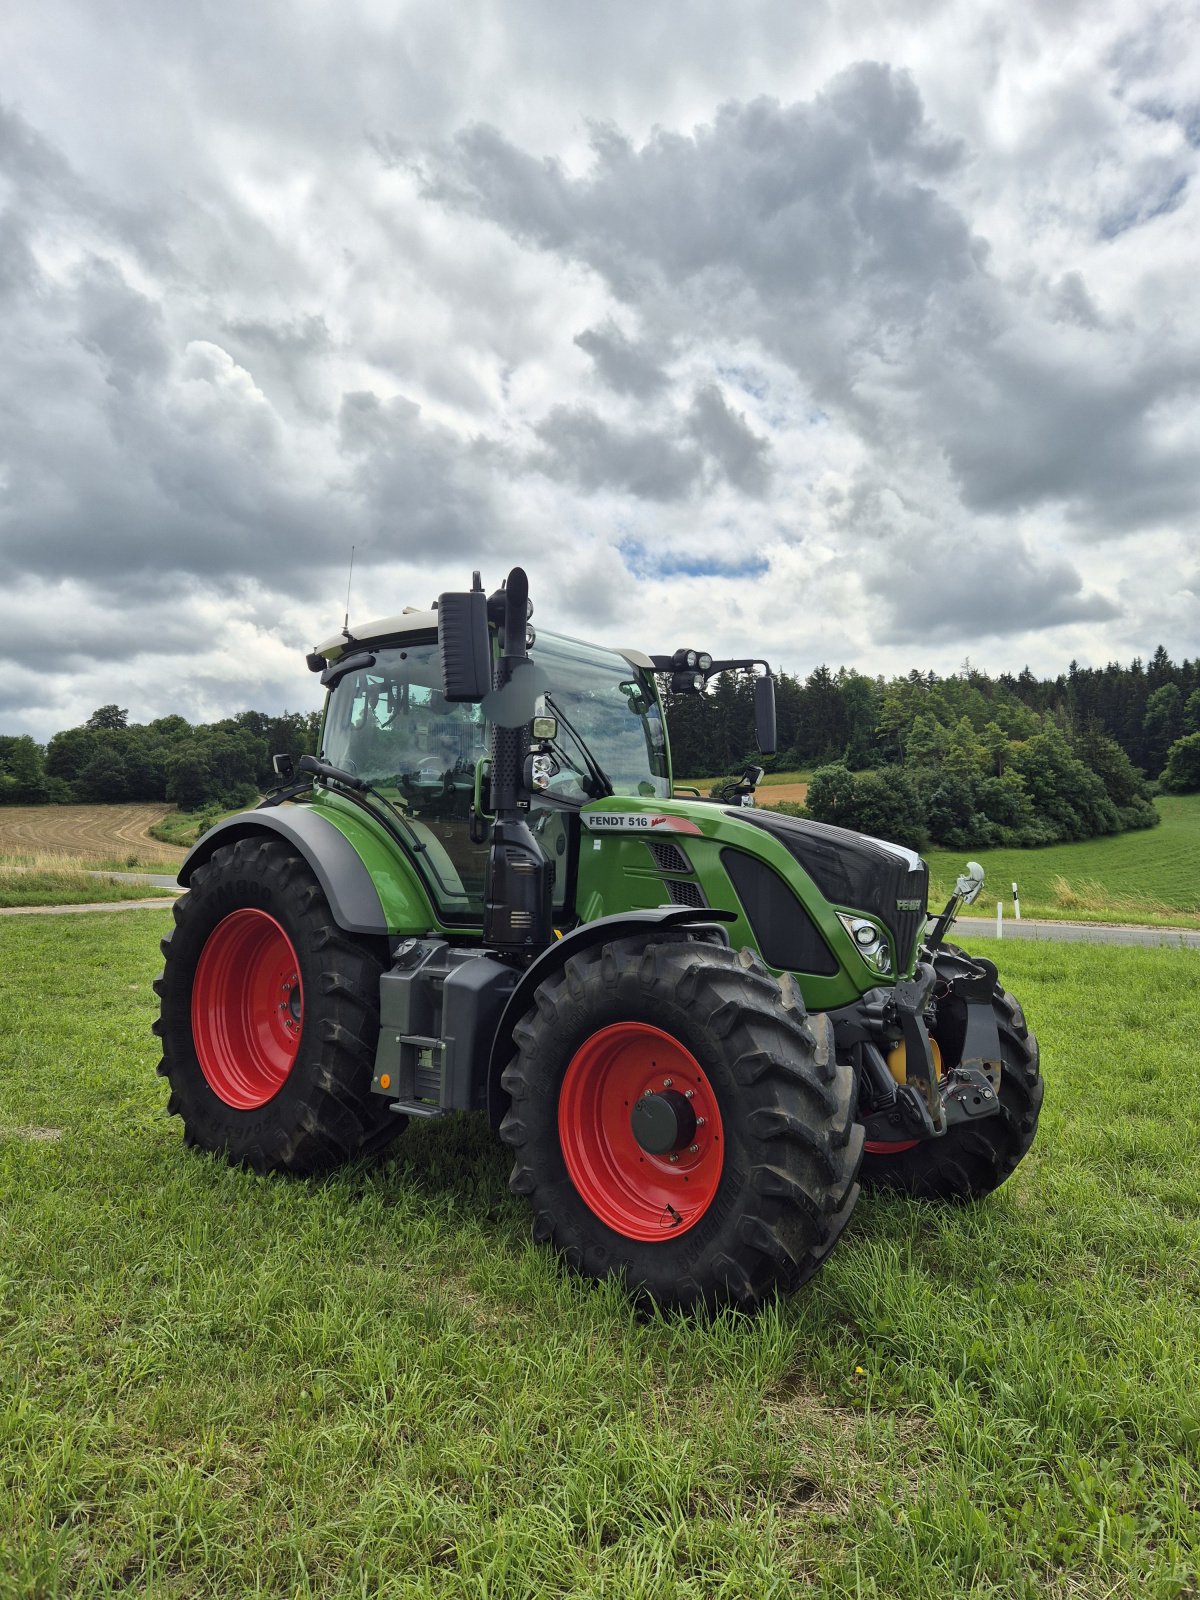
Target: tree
[
  {"x": 927, "y": 742},
  {"x": 1161, "y": 726},
  {"x": 861, "y": 705},
  {"x": 965, "y": 756},
  {"x": 24, "y": 768},
  {"x": 69, "y": 752},
  {"x": 105, "y": 779},
  {"x": 189, "y": 779},
  {"x": 830, "y": 796},
  {"x": 1182, "y": 772},
  {"x": 107, "y": 718}
]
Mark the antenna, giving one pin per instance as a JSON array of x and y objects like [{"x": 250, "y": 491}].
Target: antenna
[{"x": 349, "y": 581}]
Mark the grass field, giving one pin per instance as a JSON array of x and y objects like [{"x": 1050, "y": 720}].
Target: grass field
[
  {"x": 55, "y": 880},
  {"x": 1151, "y": 876},
  {"x": 101, "y": 836},
  {"x": 213, "y": 1384}
]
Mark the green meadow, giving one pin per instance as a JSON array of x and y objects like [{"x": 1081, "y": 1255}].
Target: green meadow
[
  {"x": 1151, "y": 876},
  {"x": 214, "y": 1384}
]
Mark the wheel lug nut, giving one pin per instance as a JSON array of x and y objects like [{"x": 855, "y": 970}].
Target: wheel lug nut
[
  {"x": 667, "y": 1082},
  {"x": 700, "y": 1121},
  {"x": 692, "y": 1148},
  {"x": 672, "y": 1157},
  {"x": 689, "y": 1094}
]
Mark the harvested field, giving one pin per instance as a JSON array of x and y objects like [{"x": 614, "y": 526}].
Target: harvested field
[
  {"x": 104, "y": 835},
  {"x": 770, "y": 794}
]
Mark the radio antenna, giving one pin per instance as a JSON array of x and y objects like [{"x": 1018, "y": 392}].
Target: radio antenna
[{"x": 349, "y": 581}]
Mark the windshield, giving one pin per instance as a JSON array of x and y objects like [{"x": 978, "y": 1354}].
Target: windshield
[{"x": 606, "y": 709}]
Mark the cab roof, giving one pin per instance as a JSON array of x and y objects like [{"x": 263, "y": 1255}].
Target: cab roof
[{"x": 413, "y": 621}]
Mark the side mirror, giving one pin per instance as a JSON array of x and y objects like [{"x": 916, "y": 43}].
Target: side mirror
[
  {"x": 464, "y": 645},
  {"x": 285, "y": 766},
  {"x": 764, "y": 713},
  {"x": 970, "y": 883},
  {"x": 340, "y": 669}
]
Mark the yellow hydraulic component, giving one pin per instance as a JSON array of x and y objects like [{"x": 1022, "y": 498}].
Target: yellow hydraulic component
[{"x": 898, "y": 1061}]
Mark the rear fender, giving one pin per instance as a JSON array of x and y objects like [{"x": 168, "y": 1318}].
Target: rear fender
[
  {"x": 605, "y": 929},
  {"x": 347, "y": 885}
]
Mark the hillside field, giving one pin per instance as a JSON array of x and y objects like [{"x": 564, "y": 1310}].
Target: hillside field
[
  {"x": 100, "y": 836},
  {"x": 216, "y": 1384},
  {"x": 1149, "y": 876}
]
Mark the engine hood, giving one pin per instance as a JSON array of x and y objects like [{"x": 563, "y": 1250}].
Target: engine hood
[{"x": 856, "y": 872}]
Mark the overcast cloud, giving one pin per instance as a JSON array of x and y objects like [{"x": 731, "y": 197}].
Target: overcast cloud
[{"x": 761, "y": 328}]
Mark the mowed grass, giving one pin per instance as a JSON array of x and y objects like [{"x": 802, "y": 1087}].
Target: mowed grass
[
  {"x": 213, "y": 1384},
  {"x": 100, "y": 836},
  {"x": 59, "y": 881},
  {"x": 1150, "y": 876}
]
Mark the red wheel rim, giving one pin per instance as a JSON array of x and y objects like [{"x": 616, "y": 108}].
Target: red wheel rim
[
  {"x": 247, "y": 1009},
  {"x": 889, "y": 1147},
  {"x": 638, "y": 1194}
]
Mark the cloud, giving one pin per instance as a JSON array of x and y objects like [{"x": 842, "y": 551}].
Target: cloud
[
  {"x": 836, "y": 332},
  {"x": 625, "y": 366}
]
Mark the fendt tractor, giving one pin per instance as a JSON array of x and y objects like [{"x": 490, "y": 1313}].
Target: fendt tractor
[{"x": 698, "y": 1025}]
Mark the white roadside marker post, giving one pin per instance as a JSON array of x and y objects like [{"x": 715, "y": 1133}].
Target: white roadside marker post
[
  {"x": 999, "y": 919},
  {"x": 1016, "y": 901}
]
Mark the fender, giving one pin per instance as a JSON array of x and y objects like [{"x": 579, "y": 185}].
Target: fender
[
  {"x": 556, "y": 956},
  {"x": 352, "y": 896}
]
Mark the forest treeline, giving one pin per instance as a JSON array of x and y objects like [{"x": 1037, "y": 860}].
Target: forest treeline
[
  {"x": 109, "y": 759},
  {"x": 967, "y": 760},
  {"x": 962, "y": 760}
]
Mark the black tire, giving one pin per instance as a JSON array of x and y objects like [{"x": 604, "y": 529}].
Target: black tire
[
  {"x": 785, "y": 1182},
  {"x": 971, "y": 1159},
  {"x": 324, "y": 1112}
]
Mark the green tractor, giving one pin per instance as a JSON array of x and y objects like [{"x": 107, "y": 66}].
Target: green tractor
[{"x": 696, "y": 1025}]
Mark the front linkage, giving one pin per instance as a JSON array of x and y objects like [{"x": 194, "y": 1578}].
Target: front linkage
[{"x": 889, "y": 1032}]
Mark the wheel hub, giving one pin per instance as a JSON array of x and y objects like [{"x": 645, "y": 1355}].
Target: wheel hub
[{"x": 663, "y": 1121}]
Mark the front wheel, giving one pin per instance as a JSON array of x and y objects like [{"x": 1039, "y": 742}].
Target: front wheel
[
  {"x": 270, "y": 1016},
  {"x": 680, "y": 1122}
]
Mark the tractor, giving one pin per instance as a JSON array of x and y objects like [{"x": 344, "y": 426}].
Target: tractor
[{"x": 698, "y": 1026}]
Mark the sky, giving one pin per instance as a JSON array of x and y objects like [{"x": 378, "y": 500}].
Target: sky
[{"x": 845, "y": 333}]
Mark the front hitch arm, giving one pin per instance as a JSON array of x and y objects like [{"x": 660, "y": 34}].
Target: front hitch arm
[{"x": 910, "y": 999}]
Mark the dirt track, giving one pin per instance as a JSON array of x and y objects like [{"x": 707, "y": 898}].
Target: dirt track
[{"x": 95, "y": 833}]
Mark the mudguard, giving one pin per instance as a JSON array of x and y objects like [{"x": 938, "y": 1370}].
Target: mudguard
[
  {"x": 348, "y": 887},
  {"x": 604, "y": 929}
]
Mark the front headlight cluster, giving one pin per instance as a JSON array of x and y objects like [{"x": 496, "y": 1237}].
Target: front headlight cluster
[{"x": 870, "y": 941}]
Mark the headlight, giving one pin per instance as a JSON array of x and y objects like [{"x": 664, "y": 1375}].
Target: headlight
[{"x": 869, "y": 940}]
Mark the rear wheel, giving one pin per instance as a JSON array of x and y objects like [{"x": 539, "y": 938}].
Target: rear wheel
[
  {"x": 971, "y": 1158},
  {"x": 679, "y": 1121},
  {"x": 270, "y": 1016}
]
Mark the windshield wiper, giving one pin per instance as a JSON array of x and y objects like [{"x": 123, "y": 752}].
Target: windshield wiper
[{"x": 595, "y": 771}]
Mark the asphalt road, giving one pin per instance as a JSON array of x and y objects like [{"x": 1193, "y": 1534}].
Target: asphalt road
[
  {"x": 1072, "y": 932},
  {"x": 963, "y": 930}
]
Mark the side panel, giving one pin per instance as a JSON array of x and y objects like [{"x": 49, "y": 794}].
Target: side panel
[{"x": 621, "y": 866}]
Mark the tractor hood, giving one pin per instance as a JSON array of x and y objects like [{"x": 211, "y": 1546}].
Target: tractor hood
[{"x": 855, "y": 871}]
